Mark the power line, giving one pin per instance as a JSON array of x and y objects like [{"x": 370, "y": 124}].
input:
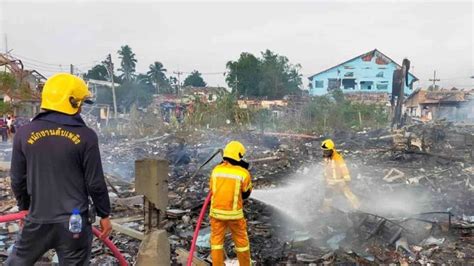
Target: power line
[
  {"x": 44, "y": 69},
  {"x": 39, "y": 62},
  {"x": 31, "y": 65},
  {"x": 34, "y": 60},
  {"x": 94, "y": 63},
  {"x": 203, "y": 73},
  {"x": 456, "y": 78}
]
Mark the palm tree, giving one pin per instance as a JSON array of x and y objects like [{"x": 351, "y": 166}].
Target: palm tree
[
  {"x": 156, "y": 74},
  {"x": 127, "y": 66}
]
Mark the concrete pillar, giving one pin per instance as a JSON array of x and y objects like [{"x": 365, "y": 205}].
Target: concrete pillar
[
  {"x": 154, "y": 249},
  {"x": 151, "y": 181}
]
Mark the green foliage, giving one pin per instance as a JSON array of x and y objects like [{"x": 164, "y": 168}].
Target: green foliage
[
  {"x": 270, "y": 76},
  {"x": 7, "y": 81},
  {"x": 136, "y": 88},
  {"x": 5, "y": 108},
  {"x": 98, "y": 72},
  {"x": 127, "y": 64},
  {"x": 139, "y": 93},
  {"x": 320, "y": 115},
  {"x": 338, "y": 96},
  {"x": 157, "y": 76},
  {"x": 13, "y": 87},
  {"x": 225, "y": 112},
  {"x": 244, "y": 74},
  {"x": 329, "y": 112},
  {"x": 194, "y": 79}
]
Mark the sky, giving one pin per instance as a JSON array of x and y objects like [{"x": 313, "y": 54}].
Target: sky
[{"x": 204, "y": 36}]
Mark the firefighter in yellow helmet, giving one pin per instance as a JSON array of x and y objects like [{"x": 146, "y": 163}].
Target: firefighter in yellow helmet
[
  {"x": 55, "y": 167},
  {"x": 336, "y": 175},
  {"x": 230, "y": 184}
]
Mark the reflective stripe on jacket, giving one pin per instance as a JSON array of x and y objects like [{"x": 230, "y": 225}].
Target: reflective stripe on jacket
[
  {"x": 227, "y": 183},
  {"x": 335, "y": 170}
]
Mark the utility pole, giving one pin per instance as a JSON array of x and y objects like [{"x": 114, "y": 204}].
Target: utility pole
[
  {"x": 71, "y": 69},
  {"x": 110, "y": 68},
  {"x": 6, "y": 44},
  {"x": 179, "y": 73},
  {"x": 434, "y": 79}
]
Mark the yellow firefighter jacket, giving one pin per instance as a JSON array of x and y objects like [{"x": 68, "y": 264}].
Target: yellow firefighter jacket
[
  {"x": 227, "y": 183},
  {"x": 335, "y": 169}
]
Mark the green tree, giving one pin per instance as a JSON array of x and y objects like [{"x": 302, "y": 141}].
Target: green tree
[
  {"x": 244, "y": 75},
  {"x": 98, "y": 72},
  {"x": 144, "y": 80},
  {"x": 157, "y": 76},
  {"x": 127, "y": 64},
  {"x": 279, "y": 77},
  {"x": 139, "y": 93},
  {"x": 270, "y": 76},
  {"x": 194, "y": 79}
]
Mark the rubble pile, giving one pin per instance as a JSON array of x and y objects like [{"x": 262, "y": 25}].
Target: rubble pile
[{"x": 399, "y": 186}]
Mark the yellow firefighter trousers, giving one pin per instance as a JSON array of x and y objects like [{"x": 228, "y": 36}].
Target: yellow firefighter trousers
[
  {"x": 238, "y": 229},
  {"x": 331, "y": 190}
]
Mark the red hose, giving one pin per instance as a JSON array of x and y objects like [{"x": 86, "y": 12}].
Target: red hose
[
  {"x": 196, "y": 231},
  {"x": 112, "y": 247},
  {"x": 12, "y": 217},
  {"x": 122, "y": 261}
]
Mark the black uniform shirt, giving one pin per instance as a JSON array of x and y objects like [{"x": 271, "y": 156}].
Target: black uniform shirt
[{"x": 55, "y": 165}]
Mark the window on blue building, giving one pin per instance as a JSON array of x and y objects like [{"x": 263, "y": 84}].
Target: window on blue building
[
  {"x": 319, "y": 83},
  {"x": 382, "y": 87},
  {"x": 366, "y": 85},
  {"x": 349, "y": 74},
  {"x": 380, "y": 74},
  {"x": 348, "y": 84},
  {"x": 334, "y": 84}
]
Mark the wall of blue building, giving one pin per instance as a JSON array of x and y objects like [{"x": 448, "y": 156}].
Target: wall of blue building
[{"x": 368, "y": 76}]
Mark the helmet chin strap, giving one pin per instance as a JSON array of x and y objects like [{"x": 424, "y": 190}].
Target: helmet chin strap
[{"x": 74, "y": 102}]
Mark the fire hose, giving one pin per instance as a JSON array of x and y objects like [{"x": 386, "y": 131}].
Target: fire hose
[
  {"x": 202, "y": 213},
  {"x": 198, "y": 227},
  {"x": 115, "y": 251}
]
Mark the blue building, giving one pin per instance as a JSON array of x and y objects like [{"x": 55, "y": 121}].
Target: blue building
[{"x": 369, "y": 72}]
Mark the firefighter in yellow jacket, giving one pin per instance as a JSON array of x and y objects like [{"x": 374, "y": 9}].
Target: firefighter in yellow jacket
[
  {"x": 230, "y": 183},
  {"x": 336, "y": 175}
]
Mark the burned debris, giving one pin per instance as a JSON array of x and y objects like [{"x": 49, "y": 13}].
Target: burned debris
[{"x": 418, "y": 213}]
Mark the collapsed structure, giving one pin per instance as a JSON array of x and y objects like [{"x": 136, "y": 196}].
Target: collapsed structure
[
  {"x": 415, "y": 206},
  {"x": 414, "y": 183}
]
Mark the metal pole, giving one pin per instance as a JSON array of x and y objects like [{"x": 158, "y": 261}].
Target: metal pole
[
  {"x": 111, "y": 73},
  {"x": 6, "y": 44}
]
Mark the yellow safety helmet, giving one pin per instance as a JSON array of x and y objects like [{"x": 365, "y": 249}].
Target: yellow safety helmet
[
  {"x": 64, "y": 93},
  {"x": 327, "y": 145},
  {"x": 234, "y": 150}
]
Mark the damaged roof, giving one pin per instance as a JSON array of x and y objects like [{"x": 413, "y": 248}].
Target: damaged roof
[
  {"x": 375, "y": 51},
  {"x": 446, "y": 96}
]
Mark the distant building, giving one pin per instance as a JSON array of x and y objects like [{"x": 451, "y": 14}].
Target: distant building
[
  {"x": 205, "y": 94},
  {"x": 262, "y": 104},
  {"x": 25, "y": 99},
  {"x": 453, "y": 105},
  {"x": 370, "y": 72}
]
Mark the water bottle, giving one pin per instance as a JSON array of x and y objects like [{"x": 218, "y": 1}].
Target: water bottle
[{"x": 75, "y": 222}]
